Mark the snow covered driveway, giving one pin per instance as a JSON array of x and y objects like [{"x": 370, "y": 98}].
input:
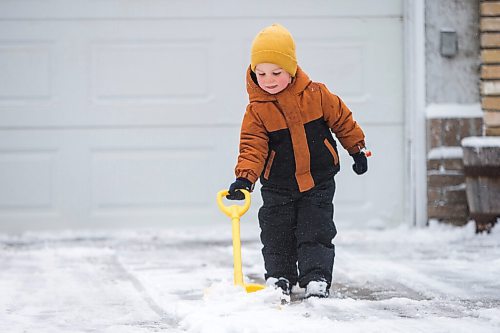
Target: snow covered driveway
[{"x": 438, "y": 279}]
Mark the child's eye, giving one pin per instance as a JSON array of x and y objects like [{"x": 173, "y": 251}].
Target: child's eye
[
  {"x": 261, "y": 74},
  {"x": 276, "y": 73}
]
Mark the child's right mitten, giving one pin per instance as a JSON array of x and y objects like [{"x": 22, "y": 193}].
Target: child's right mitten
[{"x": 239, "y": 184}]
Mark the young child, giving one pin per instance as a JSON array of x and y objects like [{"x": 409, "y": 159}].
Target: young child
[{"x": 286, "y": 140}]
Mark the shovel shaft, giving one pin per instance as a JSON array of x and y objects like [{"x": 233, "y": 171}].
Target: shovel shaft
[{"x": 238, "y": 270}]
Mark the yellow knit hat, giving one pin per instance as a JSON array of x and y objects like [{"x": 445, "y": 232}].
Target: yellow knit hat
[{"x": 275, "y": 45}]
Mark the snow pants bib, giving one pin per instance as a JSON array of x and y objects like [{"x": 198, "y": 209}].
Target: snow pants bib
[{"x": 298, "y": 228}]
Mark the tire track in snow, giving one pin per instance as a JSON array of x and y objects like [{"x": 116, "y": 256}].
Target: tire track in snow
[{"x": 165, "y": 318}]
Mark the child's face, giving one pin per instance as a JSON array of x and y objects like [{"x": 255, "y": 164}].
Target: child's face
[{"x": 272, "y": 78}]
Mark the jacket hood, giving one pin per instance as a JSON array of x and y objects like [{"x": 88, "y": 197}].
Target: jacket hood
[{"x": 257, "y": 94}]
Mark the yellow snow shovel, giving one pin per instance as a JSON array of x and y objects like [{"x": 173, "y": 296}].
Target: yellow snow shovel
[{"x": 235, "y": 212}]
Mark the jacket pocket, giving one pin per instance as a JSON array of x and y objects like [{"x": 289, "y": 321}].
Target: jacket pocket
[
  {"x": 269, "y": 164},
  {"x": 332, "y": 151}
]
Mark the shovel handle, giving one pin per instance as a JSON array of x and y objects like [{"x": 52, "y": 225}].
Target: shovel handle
[{"x": 233, "y": 211}]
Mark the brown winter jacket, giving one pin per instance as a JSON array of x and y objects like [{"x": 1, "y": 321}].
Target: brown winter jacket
[{"x": 286, "y": 138}]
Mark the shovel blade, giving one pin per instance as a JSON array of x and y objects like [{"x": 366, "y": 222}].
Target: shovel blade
[{"x": 253, "y": 287}]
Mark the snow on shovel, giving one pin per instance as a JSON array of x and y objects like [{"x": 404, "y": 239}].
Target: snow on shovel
[{"x": 235, "y": 212}]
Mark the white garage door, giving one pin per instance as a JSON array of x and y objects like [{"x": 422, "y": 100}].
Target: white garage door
[{"x": 127, "y": 113}]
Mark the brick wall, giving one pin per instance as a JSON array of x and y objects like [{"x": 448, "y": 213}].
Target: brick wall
[
  {"x": 446, "y": 192},
  {"x": 490, "y": 67}
]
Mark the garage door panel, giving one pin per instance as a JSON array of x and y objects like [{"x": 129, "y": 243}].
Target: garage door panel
[
  {"x": 27, "y": 179},
  {"x": 162, "y": 72},
  {"x": 25, "y": 71},
  {"x": 82, "y": 176},
  {"x": 35, "y": 64},
  {"x": 164, "y": 82},
  {"x": 376, "y": 198},
  {"x": 343, "y": 66},
  {"x": 149, "y": 178},
  {"x": 351, "y": 61},
  {"x": 157, "y": 169},
  {"x": 30, "y": 191}
]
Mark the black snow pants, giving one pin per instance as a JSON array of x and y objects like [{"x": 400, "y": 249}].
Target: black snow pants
[{"x": 298, "y": 228}]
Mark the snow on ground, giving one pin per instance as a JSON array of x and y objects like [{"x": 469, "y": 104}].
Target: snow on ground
[{"x": 436, "y": 279}]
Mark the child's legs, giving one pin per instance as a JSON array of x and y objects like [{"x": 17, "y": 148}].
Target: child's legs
[
  {"x": 315, "y": 232},
  {"x": 277, "y": 223}
]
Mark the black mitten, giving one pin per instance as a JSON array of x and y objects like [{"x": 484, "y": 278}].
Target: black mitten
[
  {"x": 360, "y": 165},
  {"x": 234, "y": 189}
]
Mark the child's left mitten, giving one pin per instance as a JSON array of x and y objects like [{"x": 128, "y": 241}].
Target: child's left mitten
[{"x": 360, "y": 165}]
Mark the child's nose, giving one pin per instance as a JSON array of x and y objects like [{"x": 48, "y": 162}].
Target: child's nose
[{"x": 269, "y": 79}]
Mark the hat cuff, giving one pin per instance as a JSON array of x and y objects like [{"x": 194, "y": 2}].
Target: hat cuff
[{"x": 274, "y": 57}]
